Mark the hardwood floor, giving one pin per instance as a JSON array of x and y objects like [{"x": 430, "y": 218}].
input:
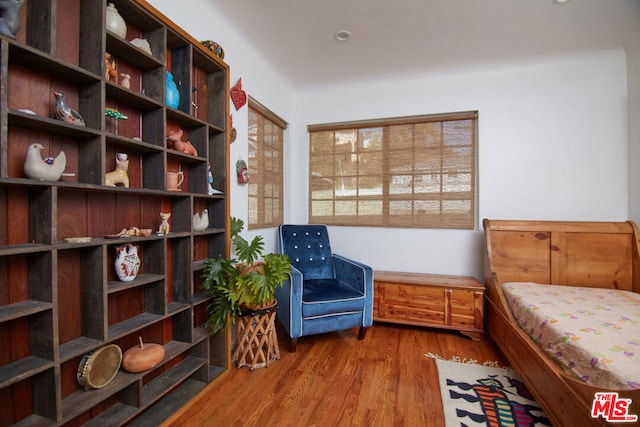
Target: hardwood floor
[{"x": 335, "y": 380}]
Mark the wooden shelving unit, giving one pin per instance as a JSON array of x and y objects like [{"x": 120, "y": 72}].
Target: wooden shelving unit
[{"x": 60, "y": 300}]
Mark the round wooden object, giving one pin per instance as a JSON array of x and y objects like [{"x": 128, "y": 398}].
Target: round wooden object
[
  {"x": 98, "y": 368},
  {"x": 142, "y": 357}
]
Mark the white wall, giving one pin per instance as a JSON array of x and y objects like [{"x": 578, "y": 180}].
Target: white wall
[
  {"x": 553, "y": 140},
  {"x": 552, "y": 145},
  {"x": 202, "y": 20}
]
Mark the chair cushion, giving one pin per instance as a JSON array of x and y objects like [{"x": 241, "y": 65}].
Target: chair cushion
[
  {"x": 323, "y": 297},
  {"x": 309, "y": 249}
]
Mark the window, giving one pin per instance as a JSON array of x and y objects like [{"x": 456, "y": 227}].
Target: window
[
  {"x": 265, "y": 167},
  {"x": 402, "y": 172}
]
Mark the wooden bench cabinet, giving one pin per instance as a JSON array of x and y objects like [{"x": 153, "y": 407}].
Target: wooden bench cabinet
[{"x": 437, "y": 301}]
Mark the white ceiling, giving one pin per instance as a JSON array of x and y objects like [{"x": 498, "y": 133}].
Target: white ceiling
[{"x": 417, "y": 36}]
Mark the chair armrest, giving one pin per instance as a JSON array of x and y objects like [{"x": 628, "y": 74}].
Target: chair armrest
[
  {"x": 358, "y": 276},
  {"x": 289, "y": 297},
  {"x": 353, "y": 273}
]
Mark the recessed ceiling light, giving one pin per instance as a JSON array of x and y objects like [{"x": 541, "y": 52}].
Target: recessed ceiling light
[
  {"x": 343, "y": 35},
  {"x": 560, "y": 1}
]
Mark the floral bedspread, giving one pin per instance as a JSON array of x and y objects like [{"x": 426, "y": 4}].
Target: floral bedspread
[{"x": 593, "y": 333}]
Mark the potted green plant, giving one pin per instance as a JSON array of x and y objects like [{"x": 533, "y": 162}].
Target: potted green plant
[{"x": 247, "y": 281}]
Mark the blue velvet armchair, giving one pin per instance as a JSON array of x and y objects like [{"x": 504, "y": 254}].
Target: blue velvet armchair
[{"x": 326, "y": 292}]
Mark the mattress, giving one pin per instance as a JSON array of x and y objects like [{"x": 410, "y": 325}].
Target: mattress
[{"x": 591, "y": 333}]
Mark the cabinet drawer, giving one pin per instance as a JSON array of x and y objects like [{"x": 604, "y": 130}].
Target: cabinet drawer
[
  {"x": 451, "y": 302},
  {"x": 463, "y": 311}
]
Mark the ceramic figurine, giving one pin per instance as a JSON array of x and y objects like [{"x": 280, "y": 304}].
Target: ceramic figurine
[
  {"x": 115, "y": 22},
  {"x": 143, "y": 45},
  {"x": 114, "y": 114},
  {"x": 173, "y": 94},
  {"x": 200, "y": 222},
  {"x": 119, "y": 174},
  {"x": 174, "y": 142},
  {"x": 49, "y": 169},
  {"x": 10, "y": 17},
  {"x": 164, "y": 225},
  {"x": 66, "y": 113},
  {"x": 125, "y": 80},
  {"x": 127, "y": 262},
  {"x": 214, "y": 47},
  {"x": 210, "y": 180},
  {"x": 110, "y": 72}
]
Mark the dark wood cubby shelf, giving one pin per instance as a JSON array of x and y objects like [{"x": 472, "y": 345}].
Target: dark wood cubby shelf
[{"x": 60, "y": 297}]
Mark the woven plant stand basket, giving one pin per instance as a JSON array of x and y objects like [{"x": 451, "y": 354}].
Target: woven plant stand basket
[{"x": 256, "y": 343}]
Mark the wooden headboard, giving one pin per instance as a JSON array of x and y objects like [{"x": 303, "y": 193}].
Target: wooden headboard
[{"x": 591, "y": 254}]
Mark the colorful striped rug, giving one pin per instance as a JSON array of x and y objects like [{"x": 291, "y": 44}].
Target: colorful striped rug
[{"x": 477, "y": 395}]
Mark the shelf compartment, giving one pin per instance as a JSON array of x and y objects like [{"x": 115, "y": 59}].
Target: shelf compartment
[
  {"x": 81, "y": 296},
  {"x": 198, "y": 299},
  {"x": 80, "y": 145},
  {"x": 181, "y": 324},
  {"x": 140, "y": 280},
  {"x": 165, "y": 407},
  {"x": 116, "y": 415},
  {"x": 22, "y": 369},
  {"x": 219, "y": 357},
  {"x": 182, "y": 119},
  {"x": 201, "y": 302},
  {"x": 23, "y": 309},
  {"x": 34, "y": 421},
  {"x": 218, "y": 160},
  {"x": 140, "y": 24},
  {"x": 133, "y": 144},
  {"x": 35, "y": 59},
  {"x": 130, "y": 97},
  {"x": 33, "y": 89},
  {"x": 209, "y": 244},
  {"x": 133, "y": 324},
  {"x": 175, "y": 307},
  {"x": 163, "y": 384},
  {"x": 82, "y": 400},
  {"x": 31, "y": 401},
  {"x": 180, "y": 262},
  {"x": 106, "y": 212},
  {"x": 144, "y": 168},
  {"x": 28, "y": 221},
  {"x": 144, "y": 85},
  {"x": 152, "y": 269},
  {"x": 77, "y": 347},
  {"x": 209, "y": 79},
  {"x": 26, "y": 311},
  {"x": 136, "y": 56},
  {"x": 39, "y": 122}
]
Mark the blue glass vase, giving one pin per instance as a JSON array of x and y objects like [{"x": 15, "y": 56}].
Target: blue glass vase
[{"x": 173, "y": 94}]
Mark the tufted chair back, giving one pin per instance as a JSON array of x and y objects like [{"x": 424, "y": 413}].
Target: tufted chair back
[{"x": 309, "y": 249}]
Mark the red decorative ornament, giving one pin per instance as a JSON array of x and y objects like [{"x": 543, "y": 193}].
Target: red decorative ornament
[{"x": 238, "y": 96}]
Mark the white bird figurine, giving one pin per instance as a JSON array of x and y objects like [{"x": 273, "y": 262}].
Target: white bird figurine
[
  {"x": 66, "y": 113},
  {"x": 49, "y": 169},
  {"x": 200, "y": 221}
]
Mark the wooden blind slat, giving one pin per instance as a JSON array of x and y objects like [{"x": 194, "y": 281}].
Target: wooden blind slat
[
  {"x": 415, "y": 171},
  {"x": 465, "y": 115},
  {"x": 266, "y": 193}
]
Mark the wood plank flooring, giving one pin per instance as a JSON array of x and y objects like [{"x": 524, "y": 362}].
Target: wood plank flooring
[{"x": 335, "y": 380}]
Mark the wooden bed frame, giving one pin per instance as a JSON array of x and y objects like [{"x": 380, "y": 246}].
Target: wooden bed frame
[{"x": 593, "y": 254}]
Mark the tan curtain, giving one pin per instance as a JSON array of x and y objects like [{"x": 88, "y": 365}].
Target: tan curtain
[
  {"x": 265, "y": 167},
  {"x": 402, "y": 172}
]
